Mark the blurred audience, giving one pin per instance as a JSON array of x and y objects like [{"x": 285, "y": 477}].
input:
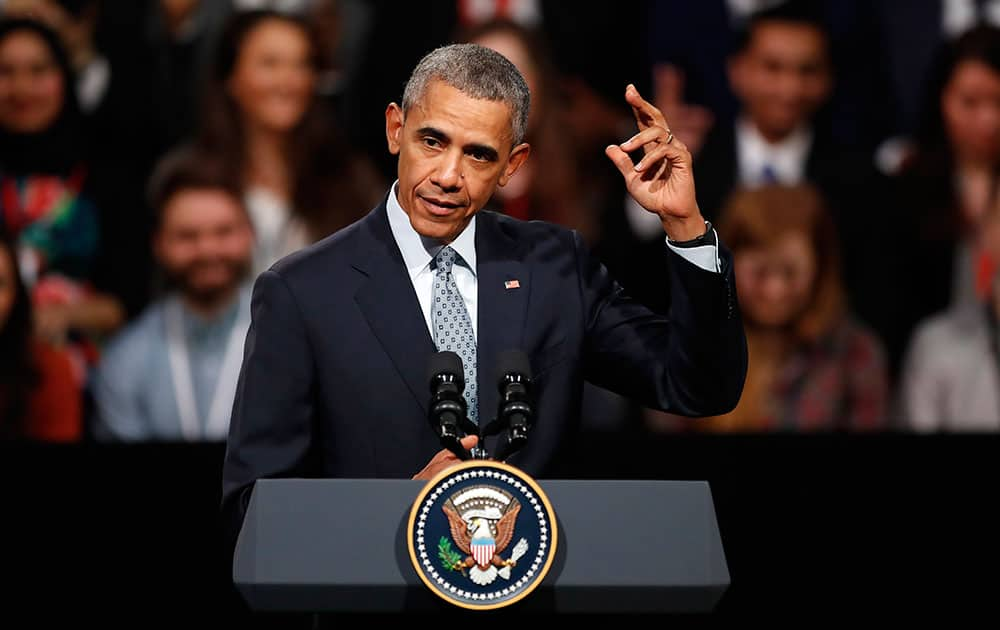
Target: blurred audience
[
  {"x": 264, "y": 118},
  {"x": 944, "y": 189},
  {"x": 171, "y": 374},
  {"x": 911, "y": 40},
  {"x": 951, "y": 373},
  {"x": 49, "y": 190},
  {"x": 180, "y": 39},
  {"x": 281, "y": 103},
  {"x": 782, "y": 75},
  {"x": 76, "y": 23},
  {"x": 40, "y": 398},
  {"x": 813, "y": 366}
]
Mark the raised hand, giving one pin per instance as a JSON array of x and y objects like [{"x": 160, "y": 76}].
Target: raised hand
[{"x": 663, "y": 180}]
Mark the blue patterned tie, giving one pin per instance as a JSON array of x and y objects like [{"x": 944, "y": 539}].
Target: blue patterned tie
[{"x": 451, "y": 323}]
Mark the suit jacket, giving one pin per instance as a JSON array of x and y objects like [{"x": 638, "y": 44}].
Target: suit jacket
[{"x": 334, "y": 375}]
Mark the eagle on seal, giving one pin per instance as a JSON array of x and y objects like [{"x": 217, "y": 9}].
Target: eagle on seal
[{"x": 475, "y": 538}]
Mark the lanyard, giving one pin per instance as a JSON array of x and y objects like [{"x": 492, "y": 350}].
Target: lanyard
[{"x": 220, "y": 409}]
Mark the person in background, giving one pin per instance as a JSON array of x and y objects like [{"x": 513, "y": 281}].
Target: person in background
[
  {"x": 912, "y": 40},
  {"x": 264, "y": 118},
  {"x": 49, "y": 190},
  {"x": 76, "y": 23},
  {"x": 944, "y": 189},
  {"x": 171, "y": 374},
  {"x": 782, "y": 76},
  {"x": 40, "y": 399},
  {"x": 812, "y": 366},
  {"x": 690, "y": 65},
  {"x": 951, "y": 373}
]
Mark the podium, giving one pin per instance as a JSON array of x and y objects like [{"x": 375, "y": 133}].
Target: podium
[{"x": 339, "y": 545}]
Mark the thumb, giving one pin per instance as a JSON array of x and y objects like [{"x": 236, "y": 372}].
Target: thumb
[
  {"x": 469, "y": 441},
  {"x": 621, "y": 160}
]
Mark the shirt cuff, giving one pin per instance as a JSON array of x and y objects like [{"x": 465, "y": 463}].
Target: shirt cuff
[{"x": 704, "y": 256}]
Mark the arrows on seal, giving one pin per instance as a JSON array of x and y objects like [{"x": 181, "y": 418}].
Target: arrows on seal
[{"x": 520, "y": 549}]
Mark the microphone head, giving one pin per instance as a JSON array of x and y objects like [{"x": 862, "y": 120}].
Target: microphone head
[
  {"x": 445, "y": 362},
  {"x": 512, "y": 362}
]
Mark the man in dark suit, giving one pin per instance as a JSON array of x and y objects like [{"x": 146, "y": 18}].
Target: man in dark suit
[{"x": 334, "y": 380}]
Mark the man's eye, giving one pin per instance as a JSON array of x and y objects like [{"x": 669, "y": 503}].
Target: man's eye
[{"x": 432, "y": 142}]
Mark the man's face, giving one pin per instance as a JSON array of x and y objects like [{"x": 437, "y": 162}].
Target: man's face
[
  {"x": 782, "y": 77},
  {"x": 454, "y": 150},
  {"x": 205, "y": 243}
]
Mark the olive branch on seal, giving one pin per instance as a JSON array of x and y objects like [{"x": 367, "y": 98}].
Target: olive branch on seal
[{"x": 451, "y": 559}]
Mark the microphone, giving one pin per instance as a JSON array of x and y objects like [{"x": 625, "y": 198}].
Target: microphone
[
  {"x": 515, "y": 410},
  {"x": 447, "y": 410}
]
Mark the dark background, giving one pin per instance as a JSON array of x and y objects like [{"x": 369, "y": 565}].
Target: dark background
[{"x": 814, "y": 527}]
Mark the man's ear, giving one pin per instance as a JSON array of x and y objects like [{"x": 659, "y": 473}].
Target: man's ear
[
  {"x": 514, "y": 161},
  {"x": 393, "y": 127}
]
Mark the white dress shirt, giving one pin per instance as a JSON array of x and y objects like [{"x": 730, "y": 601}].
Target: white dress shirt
[
  {"x": 418, "y": 252},
  {"x": 646, "y": 224},
  {"x": 786, "y": 158}
]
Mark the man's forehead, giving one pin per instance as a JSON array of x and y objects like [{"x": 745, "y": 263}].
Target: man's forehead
[{"x": 457, "y": 114}]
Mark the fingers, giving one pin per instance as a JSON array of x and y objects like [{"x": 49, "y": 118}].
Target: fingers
[
  {"x": 442, "y": 460},
  {"x": 646, "y": 115},
  {"x": 645, "y": 138},
  {"x": 445, "y": 459},
  {"x": 469, "y": 441},
  {"x": 621, "y": 160},
  {"x": 675, "y": 152}
]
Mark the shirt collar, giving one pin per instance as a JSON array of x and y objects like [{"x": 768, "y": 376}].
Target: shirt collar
[
  {"x": 417, "y": 250},
  {"x": 787, "y": 156}
]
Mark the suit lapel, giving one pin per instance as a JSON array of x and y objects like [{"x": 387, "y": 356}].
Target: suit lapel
[
  {"x": 504, "y": 285},
  {"x": 392, "y": 310},
  {"x": 391, "y": 306}
]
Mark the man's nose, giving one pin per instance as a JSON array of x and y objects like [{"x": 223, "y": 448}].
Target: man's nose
[{"x": 448, "y": 174}]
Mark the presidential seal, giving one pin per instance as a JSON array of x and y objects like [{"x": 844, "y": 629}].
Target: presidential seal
[{"x": 482, "y": 535}]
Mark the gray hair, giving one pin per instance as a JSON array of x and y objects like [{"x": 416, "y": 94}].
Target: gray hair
[{"x": 478, "y": 72}]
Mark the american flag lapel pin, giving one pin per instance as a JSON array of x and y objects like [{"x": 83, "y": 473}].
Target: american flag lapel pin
[{"x": 512, "y": 284}]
